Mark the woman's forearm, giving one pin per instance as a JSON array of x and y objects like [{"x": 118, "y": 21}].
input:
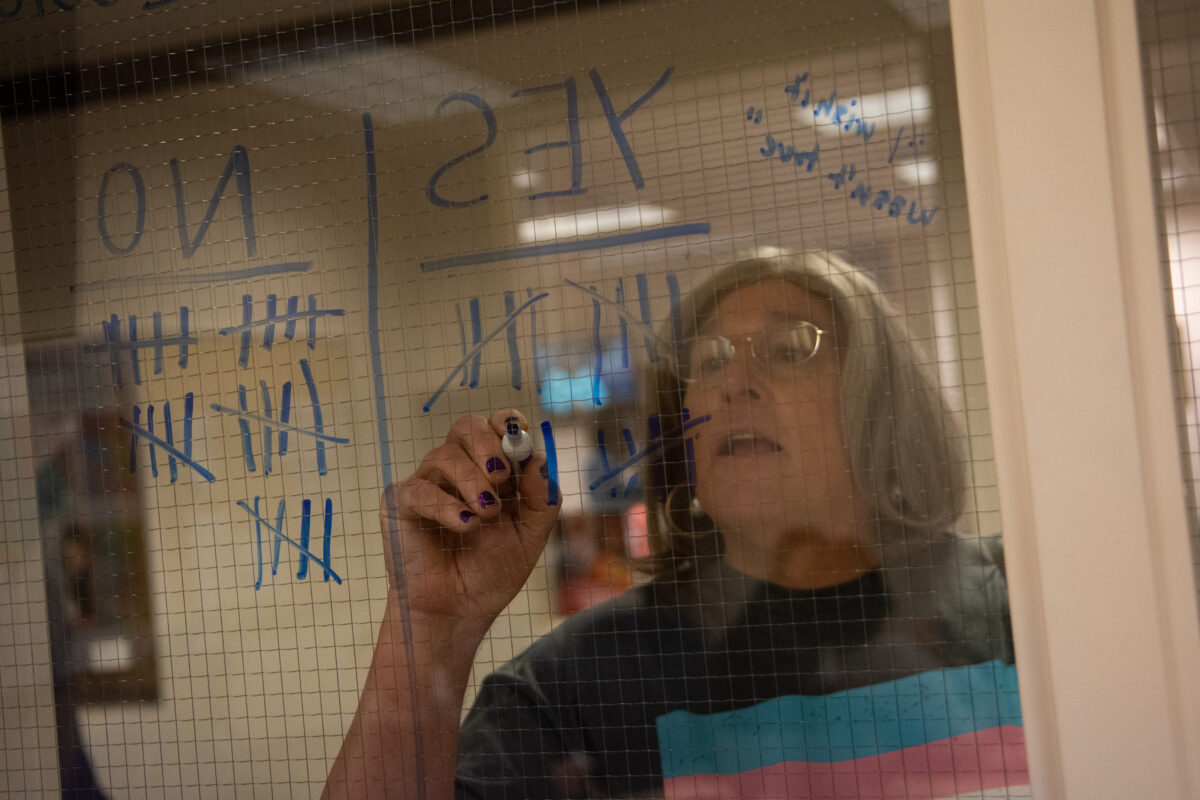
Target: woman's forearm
[{"x": 403, "y": 742}]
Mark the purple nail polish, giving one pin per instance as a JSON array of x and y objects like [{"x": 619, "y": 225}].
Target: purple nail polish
[
  {"x": 466, "y": 516},
  {"x": 494, "y": 464},
  {"x": 487, "y": 499}
]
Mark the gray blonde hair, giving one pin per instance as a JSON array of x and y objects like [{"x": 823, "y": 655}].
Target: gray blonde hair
[{"x": 900, "y": 438}]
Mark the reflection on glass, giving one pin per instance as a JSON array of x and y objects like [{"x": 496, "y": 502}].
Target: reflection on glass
[
  {"x": 324, "y": 256},
  {"x": 1169, "y": 40}
]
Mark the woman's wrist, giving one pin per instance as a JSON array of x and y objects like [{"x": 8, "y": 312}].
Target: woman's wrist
[{"x": 438, "y": 642}]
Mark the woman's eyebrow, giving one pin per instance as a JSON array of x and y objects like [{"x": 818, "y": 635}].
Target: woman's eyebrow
[
  {"x": 776, "y": 317},
  {"x": 793, "y": 315}
]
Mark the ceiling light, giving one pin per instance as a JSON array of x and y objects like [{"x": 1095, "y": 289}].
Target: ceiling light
[
  {"x": 922, "y": 172},
  {"x": 592, "y": 222}
]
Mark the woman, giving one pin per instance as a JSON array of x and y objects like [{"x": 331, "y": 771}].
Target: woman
[{"x": 804, "y": 567}]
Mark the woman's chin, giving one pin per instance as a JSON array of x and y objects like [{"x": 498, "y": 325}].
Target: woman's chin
[{"x": 753, "y": 517}]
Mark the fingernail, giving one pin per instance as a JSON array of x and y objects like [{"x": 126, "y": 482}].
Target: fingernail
[
  {"x": 487, "y": 499},
  {"x": 466, "y": 516},
  {"x": 494, "y": 464}
]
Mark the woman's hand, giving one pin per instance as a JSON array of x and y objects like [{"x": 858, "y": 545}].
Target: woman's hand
[{"x": 470, "y": 525}]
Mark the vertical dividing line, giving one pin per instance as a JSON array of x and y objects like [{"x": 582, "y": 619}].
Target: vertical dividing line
[{"x": 385, "y": 446}]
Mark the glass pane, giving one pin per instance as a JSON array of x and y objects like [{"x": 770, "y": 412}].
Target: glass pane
[
  {"x": 288, "y": 259},
  {"x": 1170, "y": 39}
]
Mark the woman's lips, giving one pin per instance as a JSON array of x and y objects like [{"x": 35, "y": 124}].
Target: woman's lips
[{"x": 748, "y": 443}]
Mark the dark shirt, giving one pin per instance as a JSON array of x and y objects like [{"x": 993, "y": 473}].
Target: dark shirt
[{"x": 576, "y": 714}]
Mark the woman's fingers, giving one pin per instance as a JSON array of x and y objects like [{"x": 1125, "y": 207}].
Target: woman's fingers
[
  {"x": 465, "y": 488},
  {"x": 536, "y": 490},
  {"x": 538, "y": 501},
  {"x": 469, "y": 525},
  {"x": 537, "y": 505},
  {"x": 479, "y": 440},
  {"x": 424, "y": 501},
  {"x": 470, "y": 481}
]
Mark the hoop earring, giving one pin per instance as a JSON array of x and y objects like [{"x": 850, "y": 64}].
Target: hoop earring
[{"x": 683, "y": 512}]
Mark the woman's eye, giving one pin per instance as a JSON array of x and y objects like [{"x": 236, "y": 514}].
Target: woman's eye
[{"x": 787, "y": 354}]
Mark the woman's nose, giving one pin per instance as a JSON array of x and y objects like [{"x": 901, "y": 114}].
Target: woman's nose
[{"x": 742, "y": 376}]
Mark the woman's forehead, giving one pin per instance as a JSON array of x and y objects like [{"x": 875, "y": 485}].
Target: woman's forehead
[{"x": 769, "y": 302}]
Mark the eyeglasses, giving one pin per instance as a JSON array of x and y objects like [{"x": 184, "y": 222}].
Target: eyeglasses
[{"x": 779, "y": 351}]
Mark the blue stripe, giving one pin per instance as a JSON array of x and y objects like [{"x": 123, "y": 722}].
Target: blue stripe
[{"x": 858, "y": 723}]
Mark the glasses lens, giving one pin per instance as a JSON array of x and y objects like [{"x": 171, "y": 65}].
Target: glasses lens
[
  {"x": 707, "y": 356},
  {"x": 777, "y": 349},
  {"x": 790, "y": 346}
]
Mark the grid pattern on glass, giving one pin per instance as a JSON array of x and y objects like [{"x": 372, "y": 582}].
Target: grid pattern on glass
[
  {"x": 777, "y": 349},
  {"x": 286, "y": 264},
  {"x": 1169, "y": 31}
]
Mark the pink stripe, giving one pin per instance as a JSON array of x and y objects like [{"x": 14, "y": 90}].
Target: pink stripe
[{"x": 971, "y": 762}]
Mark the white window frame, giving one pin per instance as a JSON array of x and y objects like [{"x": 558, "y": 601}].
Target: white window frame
[{"x": 1074, "y": 327}]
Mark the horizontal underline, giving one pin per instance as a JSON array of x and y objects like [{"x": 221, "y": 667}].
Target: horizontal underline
[
  {"x": 182, "y": 276},
  {"x": 575, "y": 246}
]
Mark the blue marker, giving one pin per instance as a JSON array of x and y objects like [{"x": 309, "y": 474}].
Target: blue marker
[{"x": 517, "y": 444}]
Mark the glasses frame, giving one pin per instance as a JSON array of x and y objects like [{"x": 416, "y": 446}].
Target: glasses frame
[{"x": 680, "y": 365}]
